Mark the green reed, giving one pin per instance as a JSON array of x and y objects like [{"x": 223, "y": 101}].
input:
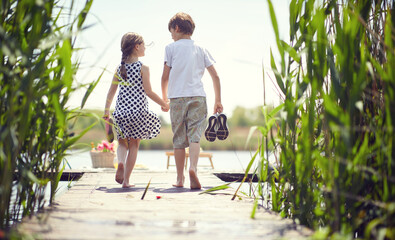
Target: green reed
[
  {"x": 334, "y": 132},
  {"x": 36, "y": 79}
]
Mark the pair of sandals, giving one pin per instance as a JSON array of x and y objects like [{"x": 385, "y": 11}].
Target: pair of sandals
[{"x": 217, "y": 128}]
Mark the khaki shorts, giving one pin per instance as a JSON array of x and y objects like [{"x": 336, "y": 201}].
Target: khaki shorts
[{"x": 188, "y": 120}]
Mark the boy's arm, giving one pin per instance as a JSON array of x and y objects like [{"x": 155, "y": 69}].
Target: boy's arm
[
  {"x": 217, "y": 89},
  {"x": 110, "y": 95},
  {"x": 165, "y": 81}
]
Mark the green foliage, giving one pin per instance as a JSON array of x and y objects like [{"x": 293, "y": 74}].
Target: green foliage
[
  {"x": 335, "y": 132},
  {"x": 246, "y": 117},
  {"x": 36, "y": 80}
]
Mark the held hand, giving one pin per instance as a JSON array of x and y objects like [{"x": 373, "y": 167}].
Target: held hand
[
  {"x": 165, "y": 108},
  {"x": 218, "y": 108}
]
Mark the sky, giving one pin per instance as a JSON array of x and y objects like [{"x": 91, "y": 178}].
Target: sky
[{"x": 237, "y": 33}]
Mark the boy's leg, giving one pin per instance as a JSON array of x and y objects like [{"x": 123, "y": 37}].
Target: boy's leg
[
  {"x": 178, "y": 111},
  {"x": 179, "y": 156},
  {"x": 122, "y": 152},
  {"x": 196, "y": 124},
  {"x": 130, "y": 161},
  {"x": 194, "y": 150}
]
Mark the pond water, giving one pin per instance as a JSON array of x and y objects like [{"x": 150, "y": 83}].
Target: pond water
[{"x": 231, "y": 161}]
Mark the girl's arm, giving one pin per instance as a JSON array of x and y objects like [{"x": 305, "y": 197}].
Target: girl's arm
[
  {"x": 148, "y": 90},
  {"x": 217, "y": 89},
  {"x": 110, "y": 95}
]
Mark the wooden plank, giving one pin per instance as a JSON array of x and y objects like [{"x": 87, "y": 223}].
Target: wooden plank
[{"x": 201, "y": 155}]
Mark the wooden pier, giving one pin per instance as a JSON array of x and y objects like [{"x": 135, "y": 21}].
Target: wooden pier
[{"x": 96, "y": 207}]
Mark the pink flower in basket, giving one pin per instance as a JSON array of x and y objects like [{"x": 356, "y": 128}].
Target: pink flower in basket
[
  {"x": 104, "y": 146},
  {"x": 112, "y": 147},
  {"x": 100, "y": 147}
]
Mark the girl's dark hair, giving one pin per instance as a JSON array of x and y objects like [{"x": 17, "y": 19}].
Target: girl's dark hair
[
  {"x": 128, "y": 42},
  {"x": 184, "y": 23}
]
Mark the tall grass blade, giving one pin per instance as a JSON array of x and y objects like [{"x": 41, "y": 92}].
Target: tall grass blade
[{"x": 146, "y": 189}]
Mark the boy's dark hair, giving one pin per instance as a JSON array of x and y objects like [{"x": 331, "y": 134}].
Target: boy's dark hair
[{"x": 184, "y": 23}]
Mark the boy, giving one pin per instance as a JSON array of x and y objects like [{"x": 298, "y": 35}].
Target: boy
[{"x": 185, "y": 63}]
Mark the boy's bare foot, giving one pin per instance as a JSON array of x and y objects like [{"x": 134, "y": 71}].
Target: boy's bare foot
[
  {"x": 119, "y": 173},
  {"x": 195, "y": 184},
  {"x": 127, "y": 185},
  {"x": 179, "y": 183}
]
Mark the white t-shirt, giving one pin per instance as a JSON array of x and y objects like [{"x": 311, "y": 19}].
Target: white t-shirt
[{"x": 187, "y": 62}]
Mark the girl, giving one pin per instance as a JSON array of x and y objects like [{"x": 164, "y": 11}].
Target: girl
[{"x": 133, "y": 120}]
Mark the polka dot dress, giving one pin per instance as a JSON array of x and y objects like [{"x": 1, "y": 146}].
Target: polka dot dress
[{"x": 132, "y": 117}]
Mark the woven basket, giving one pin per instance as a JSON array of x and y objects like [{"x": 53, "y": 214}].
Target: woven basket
[{"x": 102, "y": 159}]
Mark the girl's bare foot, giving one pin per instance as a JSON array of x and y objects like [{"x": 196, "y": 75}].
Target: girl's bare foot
[
  {"x": 195, "y": 184},
  {"x": 179, "y": 183},
  {"x": 127, "y": 185},
  {"x": 119, "y": 173}
]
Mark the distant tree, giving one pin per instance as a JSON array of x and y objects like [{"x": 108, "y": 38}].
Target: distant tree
[{"x": 239, "y": 117}]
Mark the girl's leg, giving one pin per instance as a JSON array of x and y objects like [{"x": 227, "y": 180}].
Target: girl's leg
[
  {"x": 179, "y": 156},
  {"x": 130, "y": 161},
  {"x": 194, "y": 150},
  {"x": 122, "y": 152}
]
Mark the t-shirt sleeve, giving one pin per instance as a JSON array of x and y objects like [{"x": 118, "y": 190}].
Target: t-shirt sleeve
[
  {"x": 208, "y": 59},
  {"x": 168, "y": 58}
]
